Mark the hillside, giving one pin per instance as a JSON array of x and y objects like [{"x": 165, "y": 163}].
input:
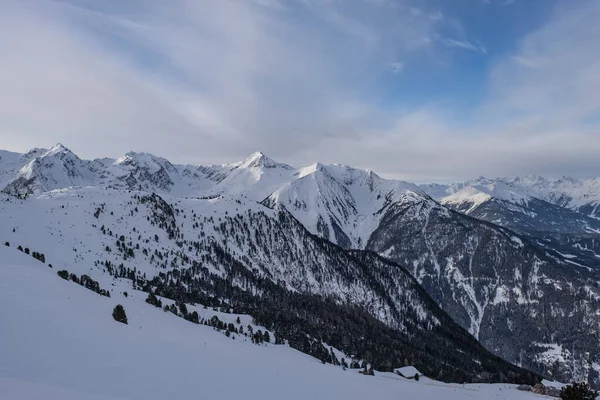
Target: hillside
[
  {"x": 268, "y": 238},
  {"x": 60, "y": 341},
  {"x": 241, "y": 255}
]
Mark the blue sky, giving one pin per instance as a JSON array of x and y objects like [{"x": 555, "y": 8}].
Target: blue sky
[{"x": 432, "y": 90}]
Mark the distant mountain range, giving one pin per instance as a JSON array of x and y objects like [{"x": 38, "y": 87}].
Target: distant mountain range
[{"x": 506, "y": 259}]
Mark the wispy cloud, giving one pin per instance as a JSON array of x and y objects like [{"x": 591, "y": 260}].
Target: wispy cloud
[
  {"x": 462, "y": 44},
  {"x": 217, "y": 78},
  {"x": 211, "y": 81}
]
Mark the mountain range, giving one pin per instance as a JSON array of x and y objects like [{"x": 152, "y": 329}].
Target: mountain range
[{"x": 419, "y": 265}]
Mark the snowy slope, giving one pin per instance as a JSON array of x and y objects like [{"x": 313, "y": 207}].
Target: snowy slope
[
  {"x": 484, "y": 277},
  {"x": 45, "y": 170},
  {"x": 255, "y": 178},
  {"x": 479, "y": 193},
  {"x": 340, "y": 203},
  {"x": 62, "y": 225},
  {"x": 59, "y": 341},
  {"x": 10, "y": 163},
  {"x": 228, "y": 248}
]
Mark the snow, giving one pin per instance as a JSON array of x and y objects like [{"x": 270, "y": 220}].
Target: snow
[
  {"x": 59, "y": 341},
  {"x": 328, "y": 198},
  {"x": 548, "y": 383},
  {"x": 554, "y": 352},
  {"x": 470, "y": 195},
  {"x": 408, "y": 371},
  {"x": 333, "y": 197},
  {"x": 475, "y": 194},
  {"x": 567, "y": 192}
]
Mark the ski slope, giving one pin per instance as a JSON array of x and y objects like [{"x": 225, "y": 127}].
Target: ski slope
[{"x": 59, "y": 341}]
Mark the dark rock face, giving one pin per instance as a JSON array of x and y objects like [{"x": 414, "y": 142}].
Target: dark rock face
[{"x": 498, "y": 285}]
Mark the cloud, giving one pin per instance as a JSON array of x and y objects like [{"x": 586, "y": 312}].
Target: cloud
[
  {"x": 195, "y": 81},
  {"x": 462, "y": 44},
  {"x": 304, "y": 81},
  {"x": 539, "y": 115}
]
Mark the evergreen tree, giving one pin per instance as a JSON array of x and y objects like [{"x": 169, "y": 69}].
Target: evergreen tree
[
  {"x": 194, "y": 317},
  {"x": 63, "y": 274},
  {"x": 119, "y": 314},
  {"x": 153, "y": 300},
  {"x": 578, "y": 391}
]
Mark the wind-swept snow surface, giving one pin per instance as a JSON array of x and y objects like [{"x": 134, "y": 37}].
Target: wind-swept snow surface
[{"x": 59, "y": 341}]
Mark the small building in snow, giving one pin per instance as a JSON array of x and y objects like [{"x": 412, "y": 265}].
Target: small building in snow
[{"x": 408, "y": 372}]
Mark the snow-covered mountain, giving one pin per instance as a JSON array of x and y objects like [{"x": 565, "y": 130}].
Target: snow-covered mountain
[
  {"x": 340, "y": 203},
  {"x": 59, "y": 341},
  {"x": 580, "y": 195},
  {"x": 237, "y": 254},
  {"x": 41, "y": 170},
  {"x": 553, "y": 224},
  {"x": 251, "y": 228}
]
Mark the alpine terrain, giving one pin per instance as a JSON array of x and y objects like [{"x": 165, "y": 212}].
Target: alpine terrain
[{"x": 486, "y": 281}]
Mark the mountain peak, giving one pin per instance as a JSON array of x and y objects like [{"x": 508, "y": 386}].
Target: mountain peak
[
  {"x": 58, "y": 149},
  {"x": 148, "y": 161},
  {"x": 259, "y": 159}
]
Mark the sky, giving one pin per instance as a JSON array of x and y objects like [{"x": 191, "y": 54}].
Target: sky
[{"x": 427, "y": 90}]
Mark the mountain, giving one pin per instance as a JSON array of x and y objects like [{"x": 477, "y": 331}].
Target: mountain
[
  {"x": 498, "y": 284},
  {"x": 59, "y": 341},
  {"x": 340, "y": 203},
  {"x": 41, "y": 170},
  {"x": 240, "y": 255},
  {"x": 554, "y": 227},
  {"x": 256, "y": 177},
  {"x": 274, "y": 241},
  {"x": 493, "y": 282},
  {"x": 581, "y": 195}
]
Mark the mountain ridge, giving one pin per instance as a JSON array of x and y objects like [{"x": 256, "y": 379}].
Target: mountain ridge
[{"x": 482, "y": 269}]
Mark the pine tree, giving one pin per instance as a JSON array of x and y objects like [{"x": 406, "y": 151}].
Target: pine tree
[
  {"x": 183, "y": 308},
  {"x": 194, "y": 317},
  {"x": 578, "y": 391},
  {"x": 153, "y": 300},
  {"x": 119, "y": 314},
  {"x": 63, "y": 274}
]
